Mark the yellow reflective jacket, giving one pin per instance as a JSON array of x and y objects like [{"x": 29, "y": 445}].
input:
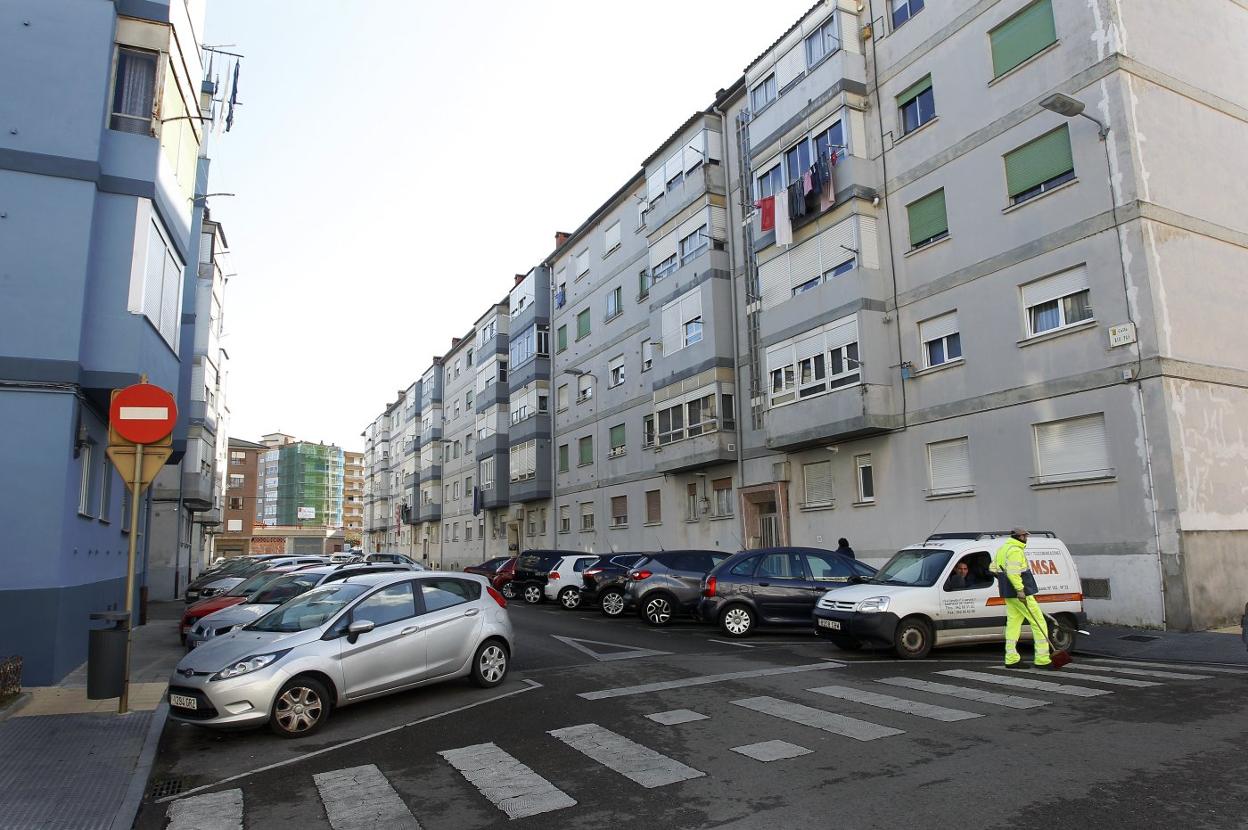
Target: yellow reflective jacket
[{"x": 1011, "y": 560}]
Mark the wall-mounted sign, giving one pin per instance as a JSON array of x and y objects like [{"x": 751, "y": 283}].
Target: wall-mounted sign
[{"x": 1121, "y": 335}]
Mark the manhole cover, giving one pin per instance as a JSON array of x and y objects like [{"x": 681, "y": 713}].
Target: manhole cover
[
  {"x": 1139, "y": 638},
  {"x": 165, "y": 787}
]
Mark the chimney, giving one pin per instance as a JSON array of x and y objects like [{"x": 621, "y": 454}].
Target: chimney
[
  {"x": 520, "y": 278},
  {"x": 455, "y": 341},
  {"x": 560, "y": 238}
]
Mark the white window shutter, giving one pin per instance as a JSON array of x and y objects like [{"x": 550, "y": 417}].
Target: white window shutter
[
  {"x": 719, "y": 223},
  {"x": 714, "y": 145},
  {"x": 937, "y": 327},
  {"x": 804, "y": 263},
  {"x": 612, "y": 237},
  {"x": 841, "y": 332},
  {"x": 818, "y": 480},
  {"x": 773, "y": 281},
  {"x": 695, "y": 150},
  {"x": 674, "y": 165},
  {"x": 837, "y": 244},
  {"x": 672, "y": 341},
  {"x": 691, "y": 306},
  {"x": 810, "y": 346},
  {"x": 779, "y": 356},
  {"x": 792, "y": 64},
  {"x": 1075, "y": 448},
  {"x": 662, "y": 249},
  {"x": 950, "y": 466},
  {"x": 1058, "y": 285},
  {"x": 655, "y": 184},
  {"x": 867, "y": 242}
]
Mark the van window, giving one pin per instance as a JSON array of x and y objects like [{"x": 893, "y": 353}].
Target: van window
[
  {"x": 828, "y": 568},
  {"x": 919, "y": 567}
]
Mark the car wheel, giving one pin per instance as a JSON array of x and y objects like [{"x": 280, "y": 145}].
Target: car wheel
[
  {"x": 846, "y": 643},
  {"x": 913, "y": 640},
  {"x": 612, "y": 603},
  {"x": 737, "y": 621},
  {"x": 657, "y": 609},
  {"x": 490, "y": 664},
  {"x": 532, "y": 594},
  {"x": 301, "y": 707},
  {"x": 1062, "y": 637},
  {"x": 509, "y": 590},
  {"x": 570, "y": 598}
]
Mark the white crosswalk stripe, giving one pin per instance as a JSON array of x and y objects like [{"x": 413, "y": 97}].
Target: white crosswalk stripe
[
  {"x": 1205, "y": 668},
  {"x": 512, "y": 787},
  {"x": 859, "y": 730},
  {"x": 965, "y": 693},
  {"x": 1025, "y": 683},
  {"x": 360, "y": 798},
  {"x": 214, "y": 811},
  {"x": 896, "y": 704},
  {"x": 632, "y": 760},
  {"x": 1164, "y": 675},
  {"x": 1112, "y": 681},
  {"x": 771, "y": 751}
]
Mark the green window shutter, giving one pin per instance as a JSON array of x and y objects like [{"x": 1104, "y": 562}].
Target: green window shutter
[
  {"x": 1022, "y": 36},
  {"x": 562, "y": 338},
  {"x": 563, "y": 458},
  {"x": 587, "y": 450},
  {"x": 582, "y": 324},
  {"x": 914, "y": 91},
  {"x": 927, "y": 217},
  {"x": 1038, "y": 161},
  {"x": 617, "y": 436}
]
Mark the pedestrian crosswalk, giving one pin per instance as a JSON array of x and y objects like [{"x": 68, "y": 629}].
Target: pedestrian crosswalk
[{"x": 860, "y": 709}]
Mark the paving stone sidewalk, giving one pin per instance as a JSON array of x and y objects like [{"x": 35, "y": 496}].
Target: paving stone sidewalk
[{"x": 1220, "y": 646}]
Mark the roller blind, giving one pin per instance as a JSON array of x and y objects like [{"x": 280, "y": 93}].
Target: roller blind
[
  {"x": 1038, "y": 161},
  {"x": 1072, "y": 449},
  {"x": 810, "y": 346},
  {"x": 1055, "y": 287},
  {"x": 672, "y": 341},
  {"x": 942, "y": 326},
  {"x": 654, "y": 506},
  {"x": 836, "y": 244},
  {"x": 1022, "y": 36},
  {"x": 841, "y": 333},
  {"x": 927, "y": 217},
  {"x": 868, "y": 236},
  {"x": 662, "y": 249},
  {"x": 617, "y": 436},
  {"x": 818, "y": 480},
  {"x": 914, "y": 91},
  {"x": 949, "y": 464},
  {"x": 773, "y": 281},
  {"x": 611, "y": 237},
  {"x": 804, "y": 262},
  {"x": 719, "y": 223},
  {"x": 655, "y": 184},
  {"x": 792, "y": 64}
]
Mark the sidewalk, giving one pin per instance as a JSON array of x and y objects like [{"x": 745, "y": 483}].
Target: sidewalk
[
  {"x": 70, "y": 762},
  {"x": 1220, "y": 646}
]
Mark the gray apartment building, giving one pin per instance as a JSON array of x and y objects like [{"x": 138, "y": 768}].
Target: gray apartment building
[{"x": 921, "y": 267}]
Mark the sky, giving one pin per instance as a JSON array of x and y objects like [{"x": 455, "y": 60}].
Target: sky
[{"x": 396, "y": 162}]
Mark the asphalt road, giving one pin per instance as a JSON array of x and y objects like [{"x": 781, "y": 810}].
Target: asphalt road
[{"x": 873, "y": 743}]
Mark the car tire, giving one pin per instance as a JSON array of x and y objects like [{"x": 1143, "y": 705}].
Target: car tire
[
  {"x": 300, "y": 708},
  {"x": 913, "y": 638},
  {"x": 737, "y": 621},
  {"x": 508, "y": 590},
  {"x": 1062, "y": 637},
  {"x": 490, "y": 664},
  {"x": 658, "y": 609},
  {"x": 570, "y": 598},
  {"x": 611, "y": 604},
  {"x": 532, "y": 594},
  {"x": 847, "y": 643}
]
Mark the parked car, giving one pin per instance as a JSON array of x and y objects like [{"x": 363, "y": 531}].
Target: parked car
[
  {"x": 234, "y": 596},
  {"x": 913, "y": 606},
  {"x": 532, "y": 572},
  {"x": 773, "y": 586},
  {"x": 564, "y": 583},
  {"x": 209, "y": 585},
  {"x": 394, "y": 559},
  {"x": 604, "y": 582},
  {"x": 342, "y": 643},
  {"x": 487, "y": 568},
  {"x": 502, "y": 579},
  {"x": 667, "y": 584}
]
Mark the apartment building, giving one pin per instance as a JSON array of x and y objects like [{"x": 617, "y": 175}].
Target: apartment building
[
  {"x": 353, "y": 498},
  {"x": 242, "y": 482},
  {"x": 516, "y": 464},
  {"x": 920, "y": 268}
]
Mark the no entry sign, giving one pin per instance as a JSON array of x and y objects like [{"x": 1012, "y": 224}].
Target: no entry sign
[{"x": 143, "y": 413}]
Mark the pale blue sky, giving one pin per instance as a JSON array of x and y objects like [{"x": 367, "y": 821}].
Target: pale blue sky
[{"x": 397, "y": 161}]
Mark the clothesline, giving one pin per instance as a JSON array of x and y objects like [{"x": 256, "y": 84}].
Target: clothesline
[{"x": 813, "y": 190}]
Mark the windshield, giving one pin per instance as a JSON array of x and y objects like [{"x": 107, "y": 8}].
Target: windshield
[
  {"x": 252, "y": 584},
  {"x": 231, "y": 566},
  {"x": 537, "y": 561},
  {"x": 284, "y": 588},
  {"x": 309, "y": 610},
  {"x": 919, "y": 567}
]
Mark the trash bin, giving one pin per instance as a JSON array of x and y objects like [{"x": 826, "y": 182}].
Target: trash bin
[{"x": 106, "y": 656}]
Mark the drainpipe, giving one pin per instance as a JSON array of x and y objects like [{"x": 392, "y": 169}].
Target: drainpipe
[{"x": 730, "y": 225}]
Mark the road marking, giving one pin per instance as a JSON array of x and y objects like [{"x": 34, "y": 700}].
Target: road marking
[
  {"x": 510, "y": 785},
  {"x": 772, "y": 750},
  {"x": 632, "y": 760},
  {"x": 215, "y": 811},
  {"x": 896, "y": 704},
  {"x": 859, "y": 730},
  {"x": 1197, "y": 666},
  {"x": 676, "y": 716},
  {"x": 706, "y": 680},
  {"x": 965, "y": 693},
  {"x": 1164, "y": 675},
  {"x": 360, "y": 798},
  {"x": 1025, "y": 683},
  {"x": 626, "y": 652},
  {"x": 730, "y": 643},
  {"x": 530, "y": 685},
  {"x": 143, "y": 413},
  {"x": 1112, "y": 681}
]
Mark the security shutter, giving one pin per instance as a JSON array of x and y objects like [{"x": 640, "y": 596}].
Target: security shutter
[
  {"x": 1055, "y": 287},
  {"x": 1074, "y": 448},
  {"x": 773, "y": 281},
  {"x": 842, "y": 332},
  {"x": 617, "y": 436},
  {"x": 619, "y": 510},
  {"x": 837, "y": 244},
  {"x": 810, "y": 346},
  {"x": 1038, "y": 161},
  {"x": 949, "y": 464},
  {"x": 927, "y": 217},
  {"x": 792, "y": 64},
  {"x": 662, "y": 249},
  {"x": 612, "y": 237},
  {"x": 868, "y": 242},
  {"x": 914, "y": 91},
  {"x": 804, "y": 263},
  {"x": 942, "y": 326},
  {"x": 672, "y": 340},
  {"x": 655, "y": 184},
  {"x": 675, "y": 165},
  {"x": 818, "y": 479},
  {"x": 654, "y": 506},
  {"x": 690, "y": 306},
  {"x": 1022, "y": 36},
  {"x": 719, "y": 223},
  {"x": 714, "y": 145}
]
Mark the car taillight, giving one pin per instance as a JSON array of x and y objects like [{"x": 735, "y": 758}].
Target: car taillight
[
  {"x": 554, "y": 574},
  {"x": 497, "y": 597},
  {"x": 593, "y": 572},
  {"x": 709, "y": 590},
  {"x": 640, "y": 575}
]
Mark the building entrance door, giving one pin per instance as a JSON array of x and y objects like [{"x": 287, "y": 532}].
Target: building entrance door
[{"x": 769, "y": 525}]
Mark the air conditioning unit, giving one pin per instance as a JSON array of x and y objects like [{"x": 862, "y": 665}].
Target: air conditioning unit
[
  {"x": 780, "y": 471},
  {"x": 517, "y": 511}
]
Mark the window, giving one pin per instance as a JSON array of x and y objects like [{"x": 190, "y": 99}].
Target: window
[
  {"x": 237, "y": 459},
  {"x": 647, "y": 355},
  {"x": 487, "y": 474},
  {"x": 617, "y": 441},
  {"x": 694, "y": 244},
  {"x": 233, "y": 525},
  {"x": 917, "y": 105},
  {"x": 1023, "y": 35},
  {"x": 771, "y": 182},
  {"x": 585, "y": 450},
  {"x": 611, "y": 238},
  {"x": 156, "y": 284},
  {"x": 468, "y": 531},
  {"x": 682, "y": 322},
  {"x": 582, "y": 263},
  {"x": 644, "y": 282},
  {"x": 455, "y": 447},
  {"x": 502, "y": 371},
  {"x": 835, "y": 271},
  {"x": 445, "y": 593},
  {"x": 941, "y": 339},
  {"x": 691, "y": 502},
  {"x": 455, "y": 532},
  {"x": 543, "y": 340},
  {"x": 388, "y": 605},
  {"x": 1057, "y": 301},
  {"x": 541, "y": 520},
  {"x": 701, "y": 415},
  {"x": 727, "y": 410},
  {"x": 928, "y": 222},
  {"x": 236, "y": 481},
  {"x": 565, "y": 519},
  {"x": 84, "y": 481},
  {"x": 820, "y": 361},
  {"x": 903, "y": 10},
  {"x": 561, "y": 397},
  {"x": 563, "y": 458},
  {"x": 665, "y": 267},
  {"x": 523, "y": 461},
  {"x": 797, "y": 160},
  {"x": 615, "y": 303},
  {"x": 134, "y": 92},
  {"x": 532, "y": 522},
  {"x": 764, "y": 93},
  {"x": 1039, "y": 166},
  {"x": 647, "y": 430},
  {"x": 533, "y": 341},
  {"x": 468, "y": 357},
  {"x": 1072, "y": 450},
  {"x": 468, "y": 399},
  {"x": 615, "y": 372},
  {"x": 866, "y": 478},
  {"x": 236, "y": 502},
  {"x": 582, "y": 324},
  {"x": 619, "y": 511},
  {"x": 949, "y": 467},
  {"x": 822, "y": 43},
  {"x": 722, "y": 487},
  {"x": 671, "y": 424},
  {"x": 587, "y": 515},
  {"x": 584, "y": 388},
  {"x": 561, "y": 338},
  {"x": 654, "y": 507},
  {"x": 817, "y": 478}
]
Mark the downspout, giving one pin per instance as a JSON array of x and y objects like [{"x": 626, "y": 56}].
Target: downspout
[
  {"x": 552, "y": 405},
  {"x": 736, "y": 303}
]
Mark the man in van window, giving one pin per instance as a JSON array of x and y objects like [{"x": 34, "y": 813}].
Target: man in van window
[
  {"x": 960, "y": 579},
  {"x": 1018, "y": 588}
]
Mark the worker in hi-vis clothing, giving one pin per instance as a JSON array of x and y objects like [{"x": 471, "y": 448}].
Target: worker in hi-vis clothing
[{"x": 1018, "y": 588}]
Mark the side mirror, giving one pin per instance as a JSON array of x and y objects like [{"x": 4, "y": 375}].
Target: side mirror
[{"x": 355, "y": 629}]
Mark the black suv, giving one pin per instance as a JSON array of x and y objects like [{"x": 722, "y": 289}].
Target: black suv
[
  {"x": 667, "y": 584},
  {"x": 533, "y": 572},
  {"x": 774, "y": 586},
  {"x": 605, "y": 581}
]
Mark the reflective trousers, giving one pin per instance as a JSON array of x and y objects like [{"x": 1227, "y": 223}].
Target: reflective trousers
[{"x": 1015, "y": 614}]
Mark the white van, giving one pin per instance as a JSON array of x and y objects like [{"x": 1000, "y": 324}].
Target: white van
[{"x": 912, "y": 605}]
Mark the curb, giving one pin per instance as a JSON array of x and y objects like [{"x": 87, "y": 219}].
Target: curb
[
  {"x": 129, "y": 809},
  {"x": 1156, "y": 659},
  {"x": 16, "y": 706}
]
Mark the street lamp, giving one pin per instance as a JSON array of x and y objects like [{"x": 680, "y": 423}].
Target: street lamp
[{"x": 1069, "y": 107}]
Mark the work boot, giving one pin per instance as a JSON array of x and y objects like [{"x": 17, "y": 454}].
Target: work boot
[{"x": 1017, "y": 664}]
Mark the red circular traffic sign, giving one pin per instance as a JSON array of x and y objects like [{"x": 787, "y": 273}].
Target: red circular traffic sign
[{"x": 143, "y": 413}]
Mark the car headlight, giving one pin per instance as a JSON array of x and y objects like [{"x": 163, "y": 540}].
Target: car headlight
[
  {"x": 249, "y": 664},
  {"x": 872, "y": 605},
  {"x": 207, "y": 592}
]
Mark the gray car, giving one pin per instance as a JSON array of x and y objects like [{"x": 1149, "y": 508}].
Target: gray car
[
  {"x": 347, "y": 641},
  {"x": 667, "y": 584}
]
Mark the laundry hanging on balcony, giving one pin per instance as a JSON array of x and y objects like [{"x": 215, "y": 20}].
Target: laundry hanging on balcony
[
  {"x": 767, "y": 212},
  {"x": 784, "y": 226}
]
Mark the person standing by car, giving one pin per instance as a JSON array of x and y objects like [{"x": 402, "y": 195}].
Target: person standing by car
[
  {"x": 843, "y": 548},
  {"x": 1018, "y": 588}
]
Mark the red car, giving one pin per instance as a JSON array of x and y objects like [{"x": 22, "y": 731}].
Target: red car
[
  {"x": 498, "y": 571},
  {"x": 234, "y": 596}
]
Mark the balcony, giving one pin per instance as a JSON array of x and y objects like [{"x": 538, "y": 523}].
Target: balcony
[
  {"x": 705, "y": 450},
  {"x": 839, "y": 72},
  {"x": 853, "y": 412}
]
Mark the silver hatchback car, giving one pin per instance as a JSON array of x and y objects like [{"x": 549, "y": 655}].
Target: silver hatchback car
[{"x": 344, "y": 642}]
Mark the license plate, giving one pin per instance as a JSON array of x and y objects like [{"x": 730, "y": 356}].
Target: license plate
[
  {"x": 183, "y": 702},
  {"x": 835, "y": 625}
]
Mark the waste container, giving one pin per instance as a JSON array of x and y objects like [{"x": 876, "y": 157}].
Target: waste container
[{"x": 106, "y": 656}]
